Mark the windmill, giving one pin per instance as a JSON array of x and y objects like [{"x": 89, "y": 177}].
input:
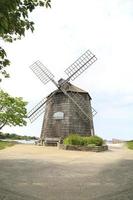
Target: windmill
[{"x": 67, "y": 109}]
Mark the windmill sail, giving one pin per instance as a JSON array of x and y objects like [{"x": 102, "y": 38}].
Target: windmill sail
[
  {"x": 37, "y": 110},
  {"x": 40, "y": 108},
  {"x": 94, "y": 112},
  {"x": 82, "y": 103},
  {"x": 80, "y": 65},
  {"x": 42, "y": 72},
  {"x": 76, "y": 103}
]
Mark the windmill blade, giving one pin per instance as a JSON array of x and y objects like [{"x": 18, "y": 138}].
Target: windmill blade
[
  {"x": 80, "y": 65},
  {"x": 37, "y": 110},
  {"x": 76, "y": 103},
  {"x": 82, "y": 103},
  {"x": 42, "y": 72},
  {"x": 40, "y": 108},
  {"x": 94, "y": 112}
]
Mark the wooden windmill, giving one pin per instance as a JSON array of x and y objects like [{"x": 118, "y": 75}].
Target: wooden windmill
[{"x": 68, "y": 109}]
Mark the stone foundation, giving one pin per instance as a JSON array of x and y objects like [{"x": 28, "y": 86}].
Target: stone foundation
[{"x": 83, "y": 148}]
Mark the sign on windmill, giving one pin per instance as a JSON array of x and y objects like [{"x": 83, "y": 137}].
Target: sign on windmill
[{"x": 68, "y": 109}]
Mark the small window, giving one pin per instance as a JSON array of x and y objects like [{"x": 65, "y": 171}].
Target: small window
[{"x": 58, "y": 115}]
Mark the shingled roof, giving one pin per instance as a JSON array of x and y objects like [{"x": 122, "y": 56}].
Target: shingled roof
[{"x": 70, "y": 88}]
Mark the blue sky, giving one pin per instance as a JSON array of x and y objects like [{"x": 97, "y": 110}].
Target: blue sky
[{"x": 61, "y": 35}]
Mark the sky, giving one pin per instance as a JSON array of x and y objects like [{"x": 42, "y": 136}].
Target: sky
[{"x": 62, "y": 34}]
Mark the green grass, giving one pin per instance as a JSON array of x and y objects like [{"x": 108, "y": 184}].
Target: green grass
[
  {"x": 130, "y": 144},
  {"x": 4, "y": 144}
]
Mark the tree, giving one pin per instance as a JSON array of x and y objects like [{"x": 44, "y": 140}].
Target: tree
[
  {"x": 14, "y": 21},
  {"x": 12, "y": 110}
]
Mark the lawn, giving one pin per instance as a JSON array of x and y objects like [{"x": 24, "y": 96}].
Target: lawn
[
  {"x": 130, "y": 144},
  {"x": 4, "y": 144}
]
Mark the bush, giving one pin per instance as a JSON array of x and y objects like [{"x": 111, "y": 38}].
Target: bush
[
  {"x": 94, "y": 140},
  {"x": 130, "y": 144},
  {"x": 75, "y": 139}
]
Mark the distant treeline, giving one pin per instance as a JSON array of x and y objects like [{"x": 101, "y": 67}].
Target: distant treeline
[{"x": 14, "y": 136}]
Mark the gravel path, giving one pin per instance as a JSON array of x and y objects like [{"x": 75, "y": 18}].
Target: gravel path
[{"x": 29, "y": 172}]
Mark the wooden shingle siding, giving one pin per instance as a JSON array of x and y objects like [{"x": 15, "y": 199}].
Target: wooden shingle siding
[{"x": 72, "y": 121}]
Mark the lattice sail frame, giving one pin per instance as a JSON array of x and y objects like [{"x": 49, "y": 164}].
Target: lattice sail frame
[
  {"x": 41, "y": 72},
  {"x": 81, "y": 102},
  {"x": 37, "y": 110},
  {"x": 80, "y": 65}
]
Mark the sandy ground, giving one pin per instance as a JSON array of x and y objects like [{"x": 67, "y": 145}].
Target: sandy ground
[{"x": 29, "y": 172}]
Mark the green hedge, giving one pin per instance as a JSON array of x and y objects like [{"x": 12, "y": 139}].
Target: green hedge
[{"x": 75, "y": 139}]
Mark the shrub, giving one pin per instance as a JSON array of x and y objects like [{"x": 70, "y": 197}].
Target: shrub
[
  {"x": 130, "y": 144},
  {"x": 75, "y": 139},
  {"x": 94, "y": 140}
]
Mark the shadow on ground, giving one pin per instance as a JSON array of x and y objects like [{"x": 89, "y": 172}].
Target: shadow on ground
[{"x": 36, "y": 179}]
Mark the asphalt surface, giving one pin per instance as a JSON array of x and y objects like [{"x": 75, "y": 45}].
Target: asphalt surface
[{"x": 30, "y": 172}]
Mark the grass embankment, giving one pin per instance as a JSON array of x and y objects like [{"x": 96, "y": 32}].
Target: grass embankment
[
  {"x": 130, "y": 144},
  {"x": 4, "y": 144}
]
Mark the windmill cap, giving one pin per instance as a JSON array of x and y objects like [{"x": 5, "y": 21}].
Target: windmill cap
[
  {"x": 61, "y": 81},
  {"x": 70, "y": 88}
]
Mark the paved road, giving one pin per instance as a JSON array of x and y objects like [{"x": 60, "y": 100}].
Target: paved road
[{"x": 30, "y": 172}]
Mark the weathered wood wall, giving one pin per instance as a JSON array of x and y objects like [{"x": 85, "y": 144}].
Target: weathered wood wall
[{"x": 72, "y": 122}]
